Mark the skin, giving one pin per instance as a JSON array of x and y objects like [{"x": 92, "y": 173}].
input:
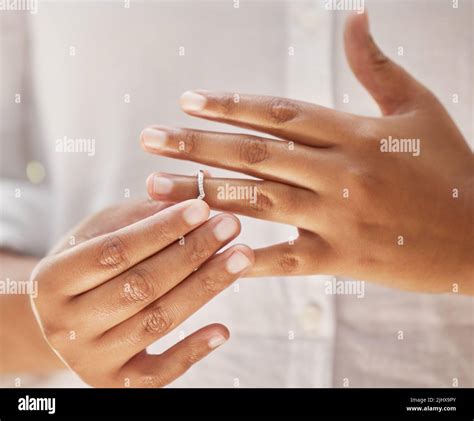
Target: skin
[
  {"x": 126, "y": 282},
  {"x": 18, "y": 327},
  {"x": 393, "y": 218},
  {"x": 389, "y": 195}
]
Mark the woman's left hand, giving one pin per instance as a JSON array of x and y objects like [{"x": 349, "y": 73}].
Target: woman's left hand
[{"x": 364, "y": 208}]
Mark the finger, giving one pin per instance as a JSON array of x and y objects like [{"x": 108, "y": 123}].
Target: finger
[
  {"x": 394, "y": 89},
  {"x": 260, "y": 199},
  {"x": 110, "y": 219},
  {"x": 94, "y": 261},
  {"x": 145, "y": 370},
  {"x": 169, "y": 311},
  {"x": 281, "y": 161},
  {"x": 293, "y": 258},
  {"x": 288, "y": 119},
  {"x": 130, "y": 292}
]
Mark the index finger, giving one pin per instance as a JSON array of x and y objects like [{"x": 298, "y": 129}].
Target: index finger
[
  {"x": 303, "y": 122},
  {"x": 93, "y": 262}
]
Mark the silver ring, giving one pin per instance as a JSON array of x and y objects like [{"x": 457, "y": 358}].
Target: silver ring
[{"x": 200, "y": 180}]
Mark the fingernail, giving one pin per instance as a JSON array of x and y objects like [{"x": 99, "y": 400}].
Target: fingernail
[
  {"x": 196, "y": 212},
  {"x": 162, "y": 185},
  {"x": 154, "y": 138},
  {"x": 225, "y": 229},
  {"x": 216, "y": 341},
  {"x": 192, "y": 101},
  {"x": 237, "y": 262}
]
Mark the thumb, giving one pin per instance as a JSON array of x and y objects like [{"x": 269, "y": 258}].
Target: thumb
[{"x": 394, "y": 90}]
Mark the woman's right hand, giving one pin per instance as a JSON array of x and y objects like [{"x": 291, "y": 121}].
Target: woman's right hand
[{"x": 101, "y": 302}]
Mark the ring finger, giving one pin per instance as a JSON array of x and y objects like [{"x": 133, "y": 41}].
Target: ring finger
[{"x": 260, "y": 199}]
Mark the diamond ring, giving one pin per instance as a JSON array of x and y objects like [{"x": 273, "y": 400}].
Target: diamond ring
[{"x": 200, "y": 180}]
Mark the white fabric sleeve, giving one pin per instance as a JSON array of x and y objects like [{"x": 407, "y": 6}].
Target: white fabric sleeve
[
  {"x": 23, "y": 217},
  {"x": 23, "y": 205}
]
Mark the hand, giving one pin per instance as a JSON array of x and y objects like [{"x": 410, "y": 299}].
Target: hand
[
  {"x": 363, "y": 209},
  {"x": 101, "y": 302}
]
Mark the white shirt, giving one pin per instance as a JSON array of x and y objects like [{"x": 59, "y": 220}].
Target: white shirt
[{"x": 102, "y": 71}]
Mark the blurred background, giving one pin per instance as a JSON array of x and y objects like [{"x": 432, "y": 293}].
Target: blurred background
[{"x": 80, "y": 80}]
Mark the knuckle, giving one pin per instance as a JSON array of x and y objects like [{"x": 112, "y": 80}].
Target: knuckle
[
  {"x": 362, "y": 180},
  {"x": 191, "y": 358},
  {"x": 297, "y": 205},
  {"x": 289, "y": 262},
  {"x": 158, "y": 320},
  {"x": 188, "y": 139},
  {"x": 129, "y": 377},
  {"x": 113, "y": 253},
  {"x": 367, "y": 131},
  {"x": 198, "y": 249},
  {"x": 213, "y": 284},
  {"x": 281, "y": 110},
  {"x": 227, "y": 104},
  {"x": 378, "y": 60},
  {"x": 138, "y": 286},
  {"x": 253, "y": 150},
  {"x": 262, "y": 204},
  {"x": 365, "y": 260},
  {"x": 165, "y": 232},
  {"x": 154, "y": 381}
]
